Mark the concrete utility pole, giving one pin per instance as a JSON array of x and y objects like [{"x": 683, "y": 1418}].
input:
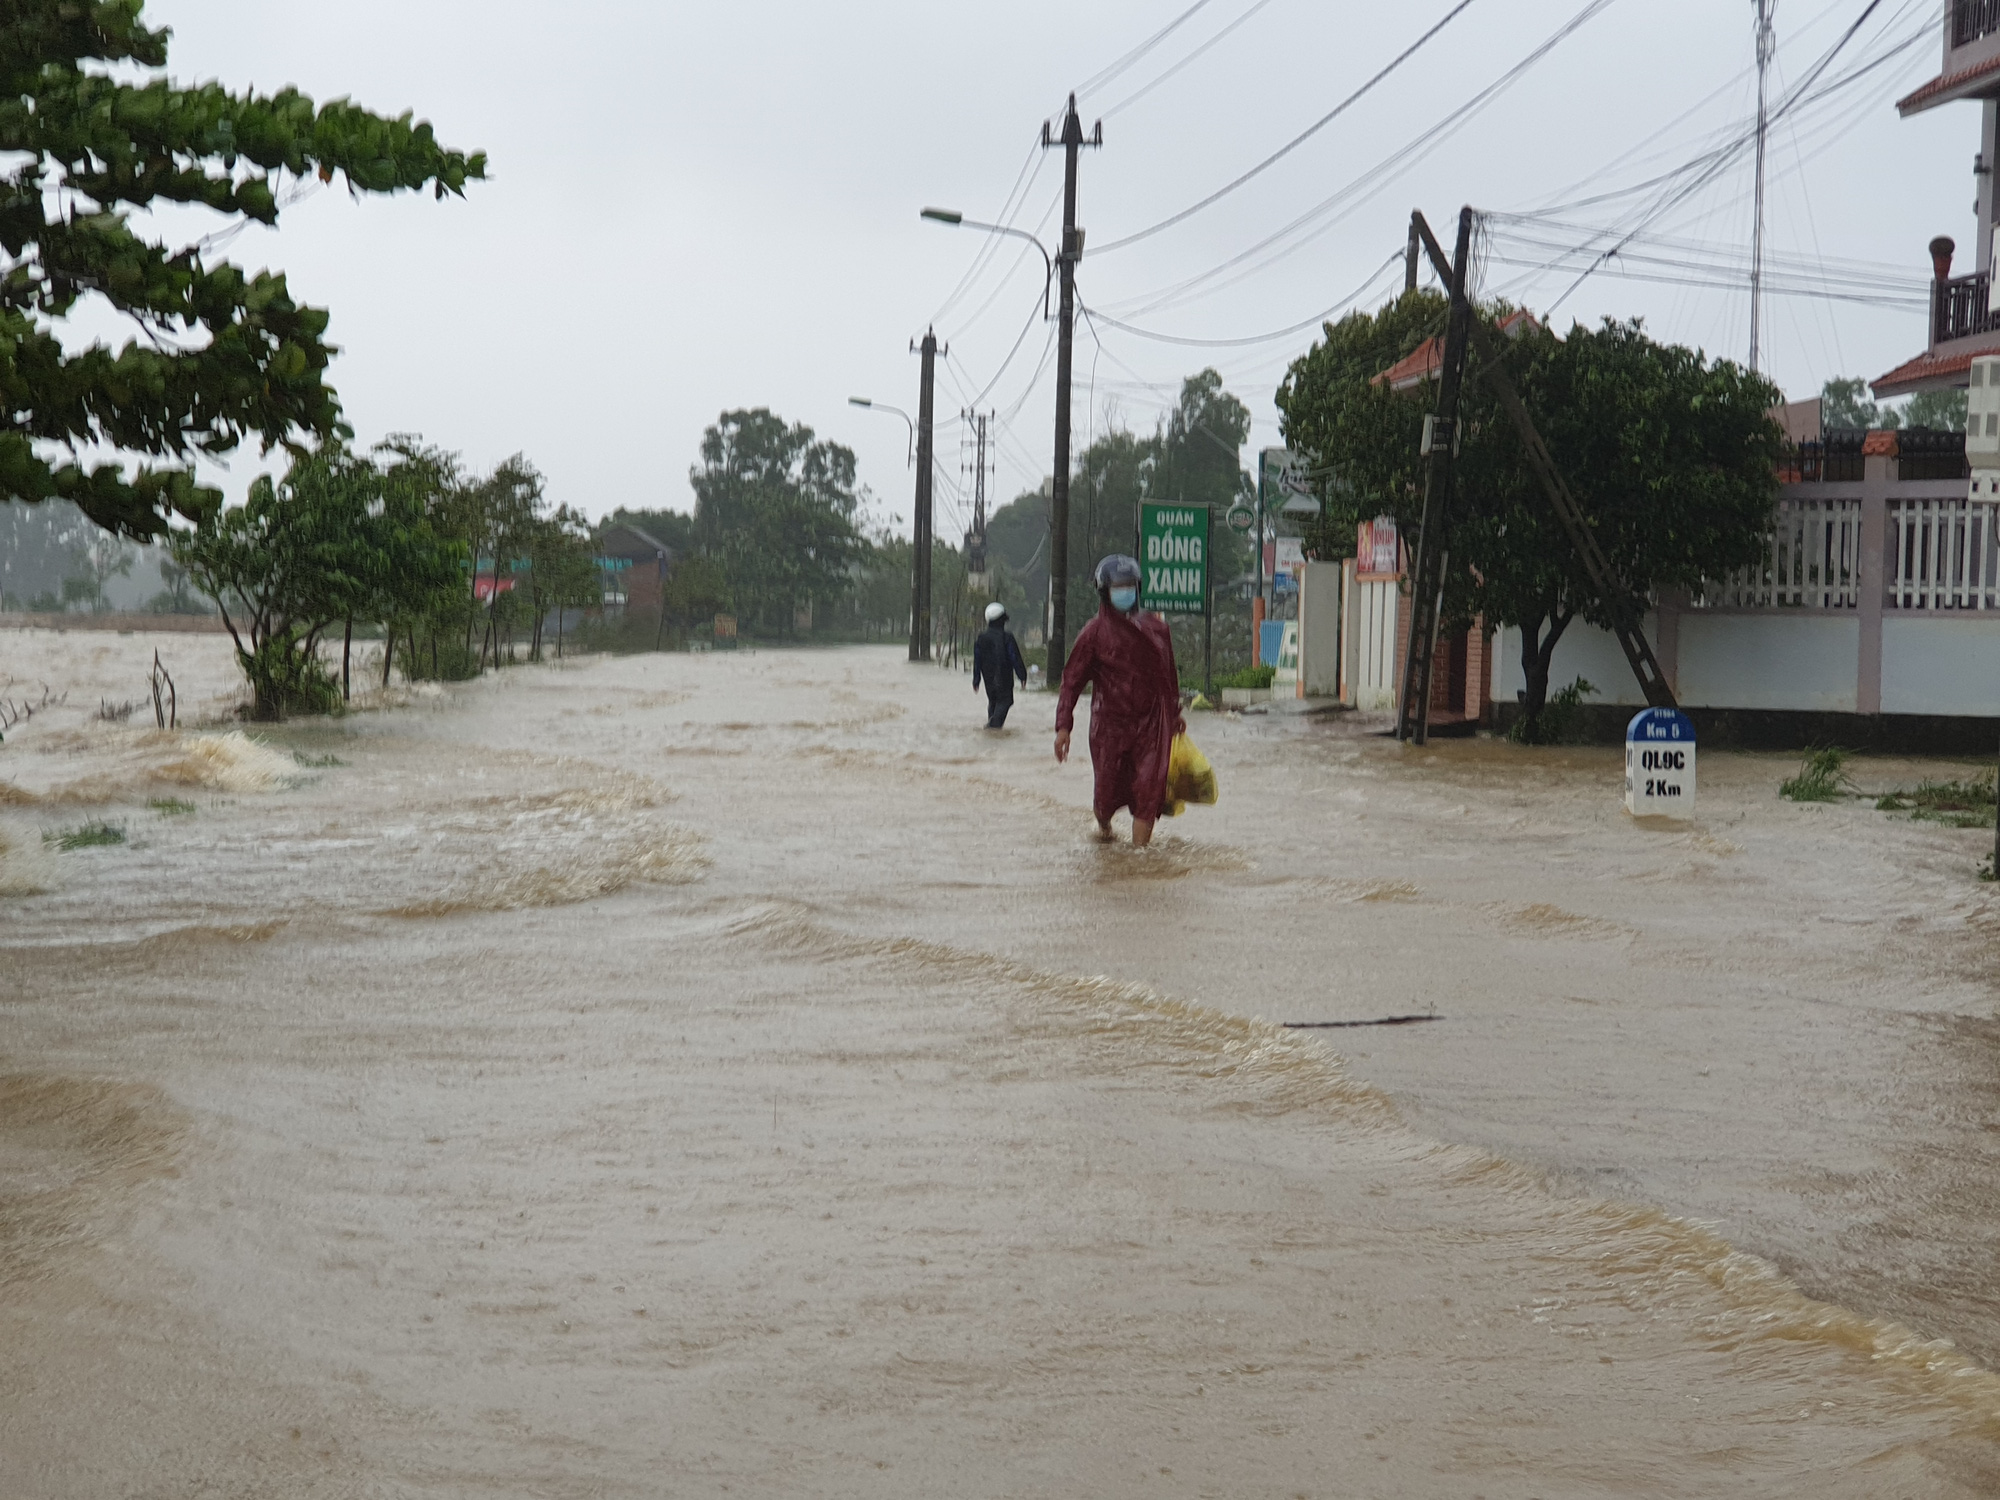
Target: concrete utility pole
[
  {"x": 920, "y": 527},
  {"x": 1071, "y": 139},
  {"x": 1764, "y": 50}
]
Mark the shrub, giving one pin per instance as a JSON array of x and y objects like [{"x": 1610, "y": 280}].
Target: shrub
[
  {"x": 1559, "y": 722},
  {"x": 1820, "y": 779}
]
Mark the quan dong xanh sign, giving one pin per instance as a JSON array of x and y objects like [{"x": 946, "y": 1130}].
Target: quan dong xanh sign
[{"x": 1173, "y": 556}]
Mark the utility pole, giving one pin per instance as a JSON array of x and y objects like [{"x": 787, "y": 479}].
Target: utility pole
[
  {"x": 920, "y": 526},
  {"x": 1070, "y": 140},
  {"x": 1765, "y": 46},
  {"x": 1410, "y": 262},
  {"x": 1413, "y": 715},
  {"x": 975, "y": 540},
  {"x": 1627, "y": 609}
]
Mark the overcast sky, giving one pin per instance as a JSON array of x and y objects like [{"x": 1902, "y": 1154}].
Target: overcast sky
[{"x": 694, "y": 208}]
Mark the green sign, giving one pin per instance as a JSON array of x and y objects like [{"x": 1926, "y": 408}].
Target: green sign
[
  {"x": 1241, "y": 518},
  {"x": 1173, "y": 557}
]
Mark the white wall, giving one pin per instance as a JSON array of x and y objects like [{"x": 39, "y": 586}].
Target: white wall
[
  {"x": 1375, "y": 683},
  {"x": 1584, "y": 651},
  {"x": 1940, "y": 664},
  {"x": 1770, "y": 660},
  {"x": 1764, "y": 660}
]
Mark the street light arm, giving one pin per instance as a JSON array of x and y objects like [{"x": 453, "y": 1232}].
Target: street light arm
[
  {"x": 952, "y": 217},
  {"x": 910, "y": 458}
]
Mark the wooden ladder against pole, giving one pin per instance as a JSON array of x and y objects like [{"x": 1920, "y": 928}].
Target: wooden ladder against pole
[
  {"x": 1626, "y": 609},
  {"x": 1413, "y": 711}
]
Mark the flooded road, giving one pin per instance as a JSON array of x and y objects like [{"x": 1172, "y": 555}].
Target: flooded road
[{"x": 702, "y": 1075}]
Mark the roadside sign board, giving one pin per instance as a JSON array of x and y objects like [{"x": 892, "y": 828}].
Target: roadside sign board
[
  {"x": 1659, "y": 764},
  {"x": 1173, "y": 555},
  {"x": 1241, "y": 518}
]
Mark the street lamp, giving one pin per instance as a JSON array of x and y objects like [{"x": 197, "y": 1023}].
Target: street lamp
[
  {"x": 864, "y": 402},
  {"x": 954, "y": 217}
]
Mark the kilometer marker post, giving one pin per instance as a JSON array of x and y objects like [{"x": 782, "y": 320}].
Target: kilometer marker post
[{"x": 1659, "y": 764}]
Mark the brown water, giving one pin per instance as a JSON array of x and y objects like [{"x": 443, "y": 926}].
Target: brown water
[{"x": 704, "y": 1074}]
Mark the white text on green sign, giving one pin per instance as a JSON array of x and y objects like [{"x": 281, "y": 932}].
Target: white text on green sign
[{"x": 1174, "y": 547}]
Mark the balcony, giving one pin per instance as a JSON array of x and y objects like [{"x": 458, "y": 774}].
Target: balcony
[
  {"x": 1973, "y": 19},
  {"x": 1958, "y": 306}
]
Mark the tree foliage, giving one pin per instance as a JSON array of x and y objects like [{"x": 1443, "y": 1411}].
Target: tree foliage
[
  {"x": 223, "y": 354},
  {"x": 1671, "y": 456},
  {"x": 777, "y": 512},
  {"x": 337, "y": 539}
]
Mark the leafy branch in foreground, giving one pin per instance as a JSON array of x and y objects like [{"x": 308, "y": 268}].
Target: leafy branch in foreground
[{"x": 222, "y": 354}]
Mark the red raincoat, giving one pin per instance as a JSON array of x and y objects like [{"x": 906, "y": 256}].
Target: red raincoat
[{"x": 1134, "y": 708}]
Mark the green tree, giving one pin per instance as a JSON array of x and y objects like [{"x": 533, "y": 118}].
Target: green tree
[
  {"x": 92, "y": 136},
  {"x": 776, "y": 510},
  {"x": 1671, "y": 456},
  {"x": 562, "y": 570},
  {"x": 178, "y": 597},
  {"x": 1844, "y": 403},
  {"x": 1942, "y": 411},
  {"x": 331, "y": 543}
]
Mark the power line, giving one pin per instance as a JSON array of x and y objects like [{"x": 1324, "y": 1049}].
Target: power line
[
  {"x": 1723, "y": 158},
  {"x": 1104, "y": 75},
  {"x": 1257, "y": 338},
  {"x": 1296, "y": 141},
  {"x": 1374, "y": 177},
  {"x": 1145, "y": 89}
]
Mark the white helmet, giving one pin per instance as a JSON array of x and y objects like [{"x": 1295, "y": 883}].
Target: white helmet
[{"x": 995, "y": 611}]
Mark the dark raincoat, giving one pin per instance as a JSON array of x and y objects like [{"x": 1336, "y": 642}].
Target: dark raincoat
[{"x": 1134, "y": 708}]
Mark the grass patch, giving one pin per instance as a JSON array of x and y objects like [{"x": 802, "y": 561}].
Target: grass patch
[
  {"x": 1956, "y": 804},
  {"x": 1247, "y": 677},
  {"x": 1822, "y": 777},
  {"x": 317, "y": 762},
  {"x": 171, "y": 807},
  {"x": 89, "y": 836}
]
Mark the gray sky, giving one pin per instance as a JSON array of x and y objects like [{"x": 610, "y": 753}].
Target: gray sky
[{"x": 701, "y": 207}]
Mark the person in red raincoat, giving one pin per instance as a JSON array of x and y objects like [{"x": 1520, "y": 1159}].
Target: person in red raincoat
[{"x": 1135, "y": 706}]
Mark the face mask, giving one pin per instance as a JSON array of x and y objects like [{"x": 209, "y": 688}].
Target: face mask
[{"x": 1123, "y": 599}]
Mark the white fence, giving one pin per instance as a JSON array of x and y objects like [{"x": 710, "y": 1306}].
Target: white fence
[
  {"x": 1940, "y": 552},
  {"x": 1941, "y": 555},
  {"x": 1810, "y": 562}
]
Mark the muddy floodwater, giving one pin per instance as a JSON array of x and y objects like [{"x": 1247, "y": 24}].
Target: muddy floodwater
[{"x": 743, "y": 1074}]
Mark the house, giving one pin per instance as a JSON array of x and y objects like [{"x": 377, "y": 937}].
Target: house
[
  {"x": 634, "y": 564},
  {"x": 1963, "y": 322}
]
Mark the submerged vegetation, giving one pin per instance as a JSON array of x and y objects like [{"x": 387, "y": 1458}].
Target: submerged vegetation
[
  {"x": 89, "y": 836},
  {"x": 1821, "y": 778}
]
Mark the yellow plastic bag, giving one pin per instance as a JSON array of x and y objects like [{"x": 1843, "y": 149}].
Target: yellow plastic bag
[{"x": 1190, "y": 778}]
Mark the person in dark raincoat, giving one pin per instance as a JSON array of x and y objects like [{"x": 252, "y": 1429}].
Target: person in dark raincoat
[
  {"x": 996, "y": 661},
  {"x": 1127, "y": 655}
]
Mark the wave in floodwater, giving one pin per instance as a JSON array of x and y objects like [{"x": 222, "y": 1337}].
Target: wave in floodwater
[
  {"x": 1731, "y": 1302},
  {"x": 69, "y": 1143}
]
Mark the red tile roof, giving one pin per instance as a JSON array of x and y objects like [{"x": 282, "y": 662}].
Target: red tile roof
[
  {"x": 1927, "y": 369},
  {"x": 1948, "y": 86},
  {"x": 1423, "y": 362}
]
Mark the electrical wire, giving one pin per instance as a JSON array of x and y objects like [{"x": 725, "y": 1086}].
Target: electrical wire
[
  {"x": 1142, "y": 91},
  {"x": 1301, "y": 138},
  {"x": 1104, "y": 75},
  {"x": 1721, "y": 159},
  {"x": 1359, "y": 189},
  {"x": 1258, "y": 338}
]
